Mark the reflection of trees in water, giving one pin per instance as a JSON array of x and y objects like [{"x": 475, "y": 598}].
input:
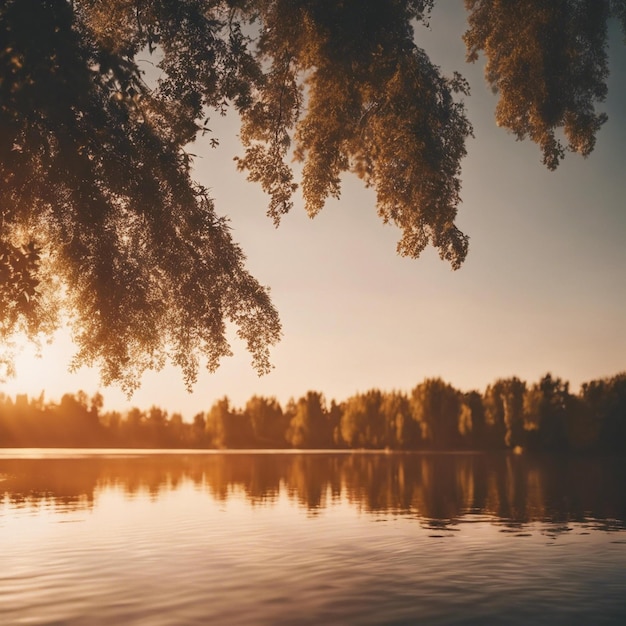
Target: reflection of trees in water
[{"x": 436, "y": 488}]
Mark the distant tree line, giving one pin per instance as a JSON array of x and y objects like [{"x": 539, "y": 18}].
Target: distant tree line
[{"x": 510, "y": 414}]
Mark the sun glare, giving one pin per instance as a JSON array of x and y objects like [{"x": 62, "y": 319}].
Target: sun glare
[{"x": 46, "y": 368}]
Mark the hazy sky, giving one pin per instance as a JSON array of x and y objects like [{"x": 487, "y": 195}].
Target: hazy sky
[{"x": 543, "y": 287}]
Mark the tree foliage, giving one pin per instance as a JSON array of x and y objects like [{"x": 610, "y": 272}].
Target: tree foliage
[
  {"x": 94, "y": 172},
  {"x": 359, "y": 96},
  {"x": 547, "y": 60},
  {"x": 436, "y": 407},
  {"x": 504, "y": 408},
  {"x": 510, "y": 414},
  {"x": 100, "y": 214},
  {"x": 309, "y": 424}
]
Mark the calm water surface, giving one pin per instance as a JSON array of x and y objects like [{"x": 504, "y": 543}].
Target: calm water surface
[{"x": 283, "y": 538}]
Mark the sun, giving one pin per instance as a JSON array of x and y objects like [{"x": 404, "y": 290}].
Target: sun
[{"x": 43, "y": 367}]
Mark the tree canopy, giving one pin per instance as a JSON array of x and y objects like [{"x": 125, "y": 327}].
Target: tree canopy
[
  {"x": 510, "y": 414},
  {"x": 100, "y": 213}
]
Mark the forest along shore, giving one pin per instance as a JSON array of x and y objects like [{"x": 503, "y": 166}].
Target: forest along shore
[{"x": 510, "y": 414}]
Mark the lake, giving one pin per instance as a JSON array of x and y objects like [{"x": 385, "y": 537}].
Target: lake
[{"x": 159, "y": 538}]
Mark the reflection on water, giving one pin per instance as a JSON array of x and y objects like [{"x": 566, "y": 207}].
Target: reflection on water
[
  {"x": 289, "y": 538},
  {"x": 439, "y": 488}
]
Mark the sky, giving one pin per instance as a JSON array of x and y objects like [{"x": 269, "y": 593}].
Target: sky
[{"x": 543, "y": 288}]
